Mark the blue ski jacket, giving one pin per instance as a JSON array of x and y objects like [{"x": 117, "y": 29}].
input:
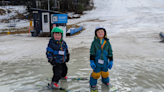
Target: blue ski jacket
[{"x": 53, "y": 50}]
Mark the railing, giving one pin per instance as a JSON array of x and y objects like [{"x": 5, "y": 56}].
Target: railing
[{"x": 73, "y": 31}]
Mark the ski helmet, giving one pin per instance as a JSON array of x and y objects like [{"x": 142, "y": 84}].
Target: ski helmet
[
  {"x": 99, "y": 27},
  {"x": 56, "y": 29}
]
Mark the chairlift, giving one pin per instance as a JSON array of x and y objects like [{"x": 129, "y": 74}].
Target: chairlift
[
  {"x": 12, "y": 23},
  {"x": 76, "y": 1}
]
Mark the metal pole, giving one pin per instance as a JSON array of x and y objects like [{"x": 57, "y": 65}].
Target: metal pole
[
  {"x": 48, "y": 5},
  {"x": 2, "y": 2},
  {"x": 58, "y": 4},
  {"x": 55, "y": 4}
]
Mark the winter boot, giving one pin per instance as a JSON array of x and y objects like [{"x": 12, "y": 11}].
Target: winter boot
[
  {"x": 54, "y": 85},
  {"x": 108, "y": 85},
  {"x": 113, "y": 89},
  {"x": 93, "y": 89},
  {"x": 64, "y": 78}
]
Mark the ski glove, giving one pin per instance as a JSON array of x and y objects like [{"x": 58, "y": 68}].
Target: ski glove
[
  {"x": 50, "y": 60},
  {"x": 92, "y": 64},
  {"x": 110, "y": 64},
  {"x": 67, "y": 58}
]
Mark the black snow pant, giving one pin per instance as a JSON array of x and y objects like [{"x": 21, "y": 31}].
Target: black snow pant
[
  {"x": 59, "y": 70},
  {"x": 64, "y": 69}
]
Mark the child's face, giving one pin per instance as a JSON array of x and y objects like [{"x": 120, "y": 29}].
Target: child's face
[
  {"x": 100, "y": 33},
  {"x": 57, "y": 36}
]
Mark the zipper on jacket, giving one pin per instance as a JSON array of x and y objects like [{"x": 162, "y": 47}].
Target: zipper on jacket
[{"x": 62, "y": 50}]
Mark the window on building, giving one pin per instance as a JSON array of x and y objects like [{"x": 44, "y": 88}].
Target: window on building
[{"x": 45, "y": 19}]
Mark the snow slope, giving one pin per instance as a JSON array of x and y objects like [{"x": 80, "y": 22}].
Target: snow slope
[
  {"x": 125, "y": 15},
  {"x": 115, "y": 15},
  {"x": 14, "y": 10},
  {"x": 20, "y": 9}
]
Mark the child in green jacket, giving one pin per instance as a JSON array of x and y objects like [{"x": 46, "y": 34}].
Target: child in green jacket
[{"x": 101, "y": 57}]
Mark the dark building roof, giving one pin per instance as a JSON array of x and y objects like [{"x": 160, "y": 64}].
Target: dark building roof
[
  {"x": 10, "y": 0},
  {"x": 36, "y": 9}
]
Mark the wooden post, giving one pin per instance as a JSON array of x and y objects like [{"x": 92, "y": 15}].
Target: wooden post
[{"x": 30, "y": 27}]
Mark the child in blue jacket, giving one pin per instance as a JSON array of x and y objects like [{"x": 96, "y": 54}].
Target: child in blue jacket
[{"x": 57, "y": 54}]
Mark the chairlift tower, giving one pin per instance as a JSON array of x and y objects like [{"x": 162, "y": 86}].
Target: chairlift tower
[
  {"x": 76, "y": 2},
  {"x": 48, "y": 5}
]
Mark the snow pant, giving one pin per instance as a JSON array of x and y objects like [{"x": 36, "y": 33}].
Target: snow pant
[
  {"x": 64, "y": 69},
  {"x": 99, "y": 71},
  {"x": 57, "y": 71}
]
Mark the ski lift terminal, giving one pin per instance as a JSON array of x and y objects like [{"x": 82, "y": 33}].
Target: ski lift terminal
[{"x": 45, "y": 20}]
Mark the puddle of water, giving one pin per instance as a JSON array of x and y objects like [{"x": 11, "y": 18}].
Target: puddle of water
[{"x": 127, "y": 75}]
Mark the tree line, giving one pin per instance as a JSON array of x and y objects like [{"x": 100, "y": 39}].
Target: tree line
[{"x": 77, "y": 6}]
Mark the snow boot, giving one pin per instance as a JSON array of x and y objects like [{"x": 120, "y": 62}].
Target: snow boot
[
  {"x": 64, "y": 78},
  {"x": 108, "y": 85},
  {"x": 93, "y": 89},
  {"x": 112, "y": 88},
  {"x": 54, "y": 85}
]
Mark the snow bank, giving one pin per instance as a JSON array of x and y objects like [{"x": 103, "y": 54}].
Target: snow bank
[{"x": 14, "y": 10}]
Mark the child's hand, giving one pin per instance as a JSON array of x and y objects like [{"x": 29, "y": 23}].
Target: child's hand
[
  {"x": 110, "y": 64},
  {"x": 92, "y": 64},
  {"x": 50, "y": 60},
  {"x": 67, "y": 58}
]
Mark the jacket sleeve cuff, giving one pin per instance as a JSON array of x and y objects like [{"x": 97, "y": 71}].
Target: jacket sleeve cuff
[
  {"x": 92, "y": 57},
  {"x": 110, "y": 58}
]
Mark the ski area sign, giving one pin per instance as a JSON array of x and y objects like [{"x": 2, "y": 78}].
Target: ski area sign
[{"x": 59, "y": 18}]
